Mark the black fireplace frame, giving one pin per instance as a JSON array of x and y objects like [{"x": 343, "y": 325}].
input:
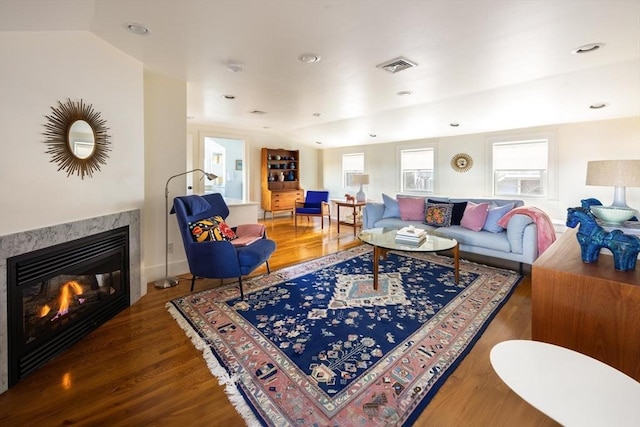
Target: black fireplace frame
[{"x": 42, "y": 264}]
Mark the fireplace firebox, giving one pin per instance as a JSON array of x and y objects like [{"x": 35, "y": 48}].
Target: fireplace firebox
[{"x": 58, "y": 295}]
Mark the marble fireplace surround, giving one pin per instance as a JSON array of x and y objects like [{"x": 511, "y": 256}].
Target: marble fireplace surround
[{"x": 27, "y": 241}]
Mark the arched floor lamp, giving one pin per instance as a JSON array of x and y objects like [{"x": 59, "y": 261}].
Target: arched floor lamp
[{"x": 168, "y": 282}]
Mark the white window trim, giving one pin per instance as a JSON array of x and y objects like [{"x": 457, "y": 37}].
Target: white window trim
[
  {"x": 342, "y": 172},
  {"x": 552, "y": 165},
  {"x": 436, "y": 163}
]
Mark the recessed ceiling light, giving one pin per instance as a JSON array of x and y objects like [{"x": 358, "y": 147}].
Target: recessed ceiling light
[
  {"x": 316, "y": 114},
  {"x": 404, "y": 93},
  {"x": 309, "y": 58},
  {"x": 454, "y": 124},
  {"x": 598, "y": 105},
  {"x": 372, "y": 135},
  {"x": 229, "y": 96},
  {"x": 138, "y": 29},
  {"x": 258, "y": 112},
  {"x": 588, "y": 48},
  {"x": 318, "y": 142}
]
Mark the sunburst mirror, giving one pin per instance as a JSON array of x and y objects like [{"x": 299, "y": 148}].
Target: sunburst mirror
[{"x": 77, "y": 138}]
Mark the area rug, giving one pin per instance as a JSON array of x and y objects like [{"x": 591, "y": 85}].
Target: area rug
[{"x": 315, "y": 345}]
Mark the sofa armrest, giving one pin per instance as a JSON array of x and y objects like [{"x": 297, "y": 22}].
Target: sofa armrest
[
  {"x": 516, "y": 232},
  {"x": 371, "y": 214}
]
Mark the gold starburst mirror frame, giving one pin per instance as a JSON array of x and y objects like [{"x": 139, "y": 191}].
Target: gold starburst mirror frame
[{"x": 77, "y": 138}]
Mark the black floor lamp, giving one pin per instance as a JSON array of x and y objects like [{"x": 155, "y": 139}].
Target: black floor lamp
[{"x": 168, "y": 282}]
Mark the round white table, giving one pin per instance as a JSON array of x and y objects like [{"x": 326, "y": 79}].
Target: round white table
[{"x": 570, "y": 387}]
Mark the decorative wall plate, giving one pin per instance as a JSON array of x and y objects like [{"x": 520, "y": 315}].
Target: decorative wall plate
[{"x": 461, "y": 162}]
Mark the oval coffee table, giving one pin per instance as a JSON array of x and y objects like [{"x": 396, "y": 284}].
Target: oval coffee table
[
  {"x": 384, "y": 239},
  {"x": 570, "y": 387}
]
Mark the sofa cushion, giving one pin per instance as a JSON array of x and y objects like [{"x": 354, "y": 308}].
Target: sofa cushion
[
  {"x": 397, "y": 223},
  {"x": 411, "y": 208},
  {"x": 391, "y": 207},
  {"x": 475, "y": 216},
  {"x": 483, "y": 239},
  {"x": 438, "y": 214},
  {"x": 494, "y": 215}
]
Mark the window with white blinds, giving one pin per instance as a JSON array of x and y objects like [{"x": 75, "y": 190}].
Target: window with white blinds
[
  {"x": 417, "y": 169},
  {"x": 352, "y": 164},
  {"x": 521, "y": 168}
]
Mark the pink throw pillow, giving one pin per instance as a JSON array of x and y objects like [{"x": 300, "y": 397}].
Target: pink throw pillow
[
  {"x": 474, "y": 216},
  {"x": 411, "y": 208}
]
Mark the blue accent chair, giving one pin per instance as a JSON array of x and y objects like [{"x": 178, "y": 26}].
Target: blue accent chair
[
  {"x": 316, "y": 203},
  {"x": 220, "y": 259}
]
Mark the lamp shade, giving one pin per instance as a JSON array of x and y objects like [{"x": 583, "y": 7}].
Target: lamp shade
[
  {"x": 614, "y": 173},
  {"x": 361, "y": 179}
]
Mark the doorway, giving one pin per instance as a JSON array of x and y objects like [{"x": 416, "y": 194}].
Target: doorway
[{"x": 224, "y": 157}]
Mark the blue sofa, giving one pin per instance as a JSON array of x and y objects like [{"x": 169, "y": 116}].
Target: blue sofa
[{"x": 517, "y": 243}]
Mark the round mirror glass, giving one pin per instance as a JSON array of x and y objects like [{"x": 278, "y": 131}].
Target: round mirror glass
[{"x": 81, "y": 139}]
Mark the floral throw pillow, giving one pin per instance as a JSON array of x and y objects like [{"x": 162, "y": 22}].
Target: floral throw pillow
[
  {"x": 438, "y": 214},
  {"x": 211, "y": 229}
]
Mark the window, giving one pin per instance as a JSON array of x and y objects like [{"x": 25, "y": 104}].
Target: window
[
  {"x": 521, "y": 168},
  {"x": 417, "y": 169},
  {"x": 352, "y": 164}
]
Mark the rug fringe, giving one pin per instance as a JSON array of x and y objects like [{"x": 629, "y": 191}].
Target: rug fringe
[{"x": 221, "y": 374}]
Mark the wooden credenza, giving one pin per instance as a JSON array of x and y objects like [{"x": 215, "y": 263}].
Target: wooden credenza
[
  {"x": 590, "y": 308},
  {"x": 279, "y": 195}
]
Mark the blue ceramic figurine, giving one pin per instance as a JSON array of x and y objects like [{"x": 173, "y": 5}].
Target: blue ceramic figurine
[{"x": 592, "y": 238}]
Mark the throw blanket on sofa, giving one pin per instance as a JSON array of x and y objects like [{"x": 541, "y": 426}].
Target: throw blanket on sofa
[{"x": 546, "y": 232}]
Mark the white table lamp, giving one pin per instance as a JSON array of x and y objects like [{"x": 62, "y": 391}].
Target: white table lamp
[
  {"x": 361, "y": 179},
  {"x": 618, "y": 174}
]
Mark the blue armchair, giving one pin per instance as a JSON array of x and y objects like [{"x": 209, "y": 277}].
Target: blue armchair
[
  {"x": 220, "y": 258},
  {"x": 316, "y": 203}
]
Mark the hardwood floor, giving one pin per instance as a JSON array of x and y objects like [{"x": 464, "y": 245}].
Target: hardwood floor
[{"x": 140, "y": 369}]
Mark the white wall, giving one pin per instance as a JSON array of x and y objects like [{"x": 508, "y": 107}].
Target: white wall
[
  {"x": 575, "y": 143},
  {"x": 165, "y": 124},
  {"x": 38, "y": 69}
]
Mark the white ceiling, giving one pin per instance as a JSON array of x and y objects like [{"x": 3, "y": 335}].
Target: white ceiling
[{"x": 487, "y": 65}]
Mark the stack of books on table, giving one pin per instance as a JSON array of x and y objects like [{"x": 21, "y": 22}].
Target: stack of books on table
[{"x": 411, "y": 236}]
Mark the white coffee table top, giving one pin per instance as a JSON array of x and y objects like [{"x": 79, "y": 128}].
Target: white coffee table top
[{"x": 570, "y": 387}]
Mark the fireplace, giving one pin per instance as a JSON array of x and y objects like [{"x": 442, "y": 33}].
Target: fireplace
[{"x": 59, "y": 294}]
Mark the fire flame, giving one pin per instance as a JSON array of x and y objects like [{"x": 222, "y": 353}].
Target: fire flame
[
  {"x": 67, "y": 292},
  {"x": 44, "y": 310}
]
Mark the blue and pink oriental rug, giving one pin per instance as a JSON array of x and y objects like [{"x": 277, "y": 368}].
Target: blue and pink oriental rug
[{"x": 315, "y": 345}]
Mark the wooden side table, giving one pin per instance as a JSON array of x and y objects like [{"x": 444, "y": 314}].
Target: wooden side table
[
  {"x": 357, "y": 208},
  {"x": 589, "y": 308}
]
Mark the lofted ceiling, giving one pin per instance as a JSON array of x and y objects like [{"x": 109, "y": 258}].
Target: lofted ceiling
[{"x": 485, "y": 65}]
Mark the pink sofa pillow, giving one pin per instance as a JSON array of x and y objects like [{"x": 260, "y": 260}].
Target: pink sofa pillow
[
  {"x": 475, "y": 214},
  {"x": 411, "y": 208}
]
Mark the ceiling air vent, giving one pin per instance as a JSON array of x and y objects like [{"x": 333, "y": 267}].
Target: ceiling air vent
[{"x": 397, "y": 64}]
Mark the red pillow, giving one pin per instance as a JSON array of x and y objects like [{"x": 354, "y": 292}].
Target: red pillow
[{"x": 411, "y": 208}]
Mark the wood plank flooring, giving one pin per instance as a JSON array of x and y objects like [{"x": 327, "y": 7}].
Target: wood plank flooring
[{"x": 140, "y": 369}]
